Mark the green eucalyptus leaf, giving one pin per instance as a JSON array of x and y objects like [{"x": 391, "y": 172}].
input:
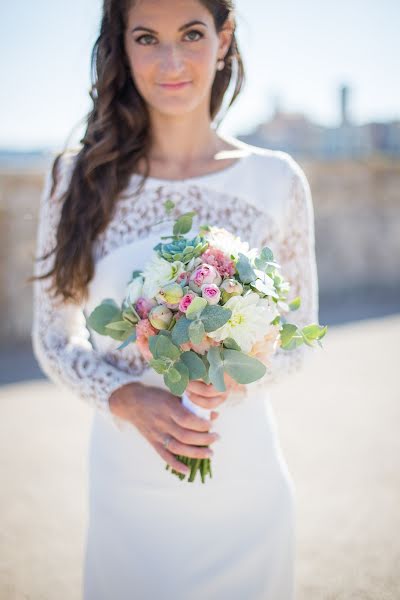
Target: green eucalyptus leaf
[
  {"x": 122, "y": 336},
  {"x": 177, "y": 387},
  {"x": 173, "y": 375},
  {"x": 241, "y": 367},
  {"x": 183, "y": 224},
  {"x": 159, "y": 365},
  {"x": 103, "y": 314},
  {"x": 152, "y": 344},
  {"x": 216, "y": 370},
  {"x": 287, "y": 332},
  {"x": 244, "y": 269},
  {"x": 180, "y": 333},
  {"x": 214, "y": 316},
  {"x": 119, "y": 325},
  {"x": 195, "y": 364},
  {"x": 314, "y": 331},
  {"x": 196, "y": 332},
  {"x": 230, "y": 343},
  {"x": 164, "y": 348},
  {"x": 130, "y": 339},
  {"x": 195, "y": 308},
  {"x": 295, "y": 303},
  {"x": 267, "y": 254}
]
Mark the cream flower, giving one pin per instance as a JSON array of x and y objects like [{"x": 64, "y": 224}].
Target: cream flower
[
  {"x": 159, "y": 272},
  {"x": 249, "y": 322}
]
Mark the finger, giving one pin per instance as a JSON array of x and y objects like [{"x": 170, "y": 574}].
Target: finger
[
  {"x": 176, "y": 447},
  {"x": 194, "y": 438},
  {"x": 203, "y": 389},
  {"x": 171, "y": 459},
  {"x": 185, "y": 418},
  {"x": 209, "y": 403}
]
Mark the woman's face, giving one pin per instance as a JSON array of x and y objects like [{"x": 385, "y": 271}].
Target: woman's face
[{"x": 163, "y": 47}]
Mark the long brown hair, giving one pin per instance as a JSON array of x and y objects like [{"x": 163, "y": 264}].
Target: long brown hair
[{"x": 116, "y": 139}]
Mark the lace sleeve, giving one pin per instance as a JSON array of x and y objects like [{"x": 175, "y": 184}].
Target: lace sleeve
[
  {"x": 60, "y": 338},
  {"x": 295, "y": 252}
]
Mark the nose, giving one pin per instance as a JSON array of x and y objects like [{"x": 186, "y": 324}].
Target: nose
[{"x": 171, "y": 59}]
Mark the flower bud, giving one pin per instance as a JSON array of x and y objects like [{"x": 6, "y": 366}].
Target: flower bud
[
  {"x": 160, "y": 317},
  {"x": 229, "y": 288},
  {"x": 170, "y": 295}
]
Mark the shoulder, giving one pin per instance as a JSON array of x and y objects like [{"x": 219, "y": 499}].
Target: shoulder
[
  {"x": 270, "y": 175},
  {"x": 270, "y": 165}
]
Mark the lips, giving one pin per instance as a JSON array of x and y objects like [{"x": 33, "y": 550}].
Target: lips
[{"x": 175, "y": 86}]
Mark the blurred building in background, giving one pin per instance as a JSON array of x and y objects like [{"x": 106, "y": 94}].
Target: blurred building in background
[{"x": 298, "y": 135}]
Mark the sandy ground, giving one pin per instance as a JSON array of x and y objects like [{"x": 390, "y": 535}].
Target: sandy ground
[{"x": 339, "y": 425}]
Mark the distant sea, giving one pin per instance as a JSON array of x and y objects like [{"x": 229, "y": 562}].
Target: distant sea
[{"x": 31, "y": 160}]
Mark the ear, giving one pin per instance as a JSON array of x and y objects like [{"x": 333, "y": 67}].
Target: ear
[{"x": 225, "y": 37}]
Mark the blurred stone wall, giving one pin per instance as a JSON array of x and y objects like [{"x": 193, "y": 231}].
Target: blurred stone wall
[{"x": 357, "y": 227}]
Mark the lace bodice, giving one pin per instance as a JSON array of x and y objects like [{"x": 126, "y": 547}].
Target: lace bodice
[{"x": 264, "y": 198}]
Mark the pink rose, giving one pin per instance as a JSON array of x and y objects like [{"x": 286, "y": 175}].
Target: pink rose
[
  {"x": 186, "y": 301},
  {"x": 204, "y": 274},
  {"x": 211, "y": 293}
]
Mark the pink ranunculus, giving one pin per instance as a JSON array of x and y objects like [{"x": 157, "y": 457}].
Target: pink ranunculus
[
  {"x": 223, "y": 263},
  {"x": 144, "y": 330},
  {"x": 211, "y": 293},
  {"x": 143, "y": 306},
  {"x": 204, "y": 274},
  {"x": 186, "y": 301}
]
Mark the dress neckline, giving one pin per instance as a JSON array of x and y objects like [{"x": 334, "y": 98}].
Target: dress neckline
[{"x": 239, "y": 161}]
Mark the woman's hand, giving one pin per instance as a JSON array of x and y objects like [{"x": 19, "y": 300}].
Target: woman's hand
[
  {"x": 156, "y": 412},
  {"x": 207, "y": 396}
]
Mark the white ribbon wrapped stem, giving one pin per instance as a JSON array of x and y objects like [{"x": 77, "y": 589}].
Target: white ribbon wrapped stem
[{"x": 203, "y": 413}]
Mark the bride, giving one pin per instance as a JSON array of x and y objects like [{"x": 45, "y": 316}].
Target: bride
[{"x": 161, "y": 72}]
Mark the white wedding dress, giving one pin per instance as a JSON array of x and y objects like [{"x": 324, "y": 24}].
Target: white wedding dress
[{"x": 150, "y": 534}]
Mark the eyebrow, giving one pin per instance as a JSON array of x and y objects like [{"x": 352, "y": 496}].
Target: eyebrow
[{"x": 195, "y": 22}]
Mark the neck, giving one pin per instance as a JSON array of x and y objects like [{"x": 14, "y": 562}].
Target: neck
[{"x": 182, "y": 141}]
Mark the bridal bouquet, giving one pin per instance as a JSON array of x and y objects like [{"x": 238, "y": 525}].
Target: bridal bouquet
[{"x": 202, "y": 308}]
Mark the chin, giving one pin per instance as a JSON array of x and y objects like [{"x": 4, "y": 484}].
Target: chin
[{"x": 175, "y": 109}]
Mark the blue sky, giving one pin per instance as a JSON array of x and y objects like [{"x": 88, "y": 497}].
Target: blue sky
[{"x": 299, "y": 51}]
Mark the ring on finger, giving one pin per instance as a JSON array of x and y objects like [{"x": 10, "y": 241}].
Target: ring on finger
[{"x": 166, "y": 440}]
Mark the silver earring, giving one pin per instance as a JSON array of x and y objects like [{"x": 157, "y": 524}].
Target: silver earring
[{"x": 220, "y": 64}]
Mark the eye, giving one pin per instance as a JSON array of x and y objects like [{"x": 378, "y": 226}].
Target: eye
[
  {"x": 196, "y": 32},
  {"x": 146, "y": 35}
]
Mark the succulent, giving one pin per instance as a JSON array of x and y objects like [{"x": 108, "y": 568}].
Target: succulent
[{"x": 182, "y": 249}]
